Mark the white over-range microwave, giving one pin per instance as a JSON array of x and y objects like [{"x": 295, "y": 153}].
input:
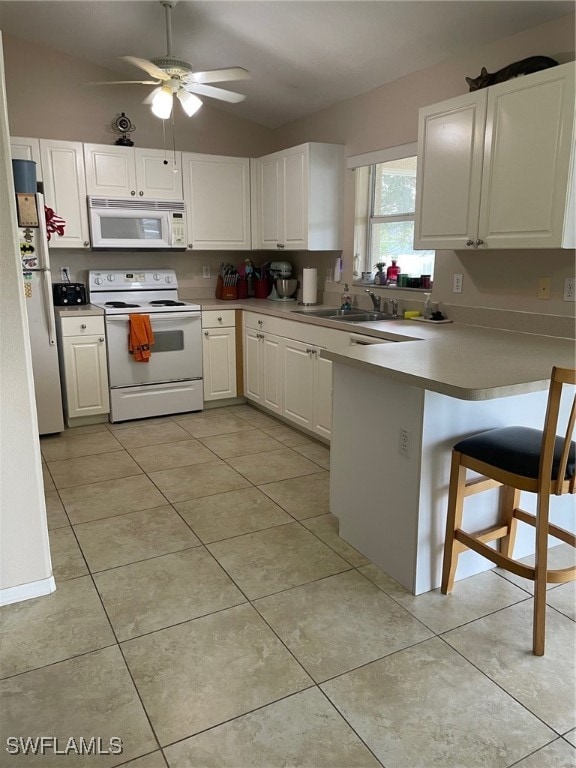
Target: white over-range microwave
[{"x": 144, "y": 225}]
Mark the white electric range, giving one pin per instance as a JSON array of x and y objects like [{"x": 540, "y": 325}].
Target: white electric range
[{"x": 171, "y": 380}]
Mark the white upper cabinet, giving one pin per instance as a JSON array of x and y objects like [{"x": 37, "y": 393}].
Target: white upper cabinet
[
  {"x": 65, "y": 190},
  {"x": 449, "y": 174},
  {"x": 298, "y": 197},
  {"x": 27, "y": 149},
  {"x": 496, "y": 167},
  {"x": 217, "y": 195},
  {"x": 113, "y": 171}
]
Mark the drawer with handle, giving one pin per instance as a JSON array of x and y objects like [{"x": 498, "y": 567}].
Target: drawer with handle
[
  {"x": 82, "y": 326},
  {"x": 220, "y": 318}
]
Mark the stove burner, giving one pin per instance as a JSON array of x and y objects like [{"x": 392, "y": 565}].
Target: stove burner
[
  {"x": 167, "y": 303},
  {"x": 120, "y": 304}
]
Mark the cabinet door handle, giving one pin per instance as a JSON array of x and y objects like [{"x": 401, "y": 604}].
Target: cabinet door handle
[
  {"x": 83, "y": 326},
  {"x": 132, "y": 191},
  {"x": 479, "y": 242},
  {"x": 190, "y": 245},
  {"x": 206, "y": 333},
  {"x": 219, "y": 319},
  {"x": 141, "y": 193},
  {"x": 86, "y": 243},
  {"x": 469, "y": 242},
  {"x": 260, "y": 323},
  {"x": 279, "y": 245},
  {"x": 101, "y": 338}
]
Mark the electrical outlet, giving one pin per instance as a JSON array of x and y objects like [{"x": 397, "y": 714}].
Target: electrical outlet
[
  {"x": 544, "y": 287},
  {"x": 457, "y": 284},
  {"x": 570, "y": 289},
  {"x": 65, "y": 274},
  {"x": 404, "y": 443},
  {"x": 206, "y": 270}
]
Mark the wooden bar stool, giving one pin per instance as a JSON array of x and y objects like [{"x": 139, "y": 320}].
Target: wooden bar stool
[{"x": 520, "y": 459}]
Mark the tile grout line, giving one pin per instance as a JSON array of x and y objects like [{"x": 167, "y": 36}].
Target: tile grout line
[
  {"x": 498, "y": 685},
  {"x": 251, "y": 603},
  {"x": 535, "y": 752}
]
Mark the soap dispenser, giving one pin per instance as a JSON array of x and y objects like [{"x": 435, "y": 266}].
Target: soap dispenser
[
  {"x": 346, "y": 298},
  {"x": 428, "y": 306}
]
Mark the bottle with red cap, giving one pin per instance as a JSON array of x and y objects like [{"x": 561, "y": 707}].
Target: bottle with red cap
[{"x": 392, "y": 273}]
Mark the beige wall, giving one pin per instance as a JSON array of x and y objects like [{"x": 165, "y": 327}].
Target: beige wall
[
  {"x": 388, "y": 116},
  {"x": 24, "y": 551},
  {"x": 48, "y": 98}
]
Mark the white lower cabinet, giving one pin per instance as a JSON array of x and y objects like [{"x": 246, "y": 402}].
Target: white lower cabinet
[
  {"x": 83, "y": 361},
  {"x": 262, "y": 369},
  {"x": 219, "y": 358},
  {"x": 288, "y": 375},
  {"x": 298, "y": 382},
  {"x": 307, "y": 387},
  {"x": 219, "y": 354},
  {"x": 322, "y": 421}
]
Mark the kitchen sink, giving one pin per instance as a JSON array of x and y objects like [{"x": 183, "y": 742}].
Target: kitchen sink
[
  {"x": 329, "y": 313},
  {"x": 346, "y": 315}
]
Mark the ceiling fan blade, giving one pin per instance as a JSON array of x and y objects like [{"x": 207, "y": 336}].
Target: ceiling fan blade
[
  {"x": 125, "y": 82},
  {"x": 214, "y": 93},
  {"x": 219, "y": 75},
  {"x": 147, "y": 66}
]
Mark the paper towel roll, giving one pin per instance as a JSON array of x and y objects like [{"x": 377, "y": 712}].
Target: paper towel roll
[{"x": 309, "y": 285}]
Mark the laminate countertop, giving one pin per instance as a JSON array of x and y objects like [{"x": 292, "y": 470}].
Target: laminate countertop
[
  {"x": 463, "y": 361},
  {"x": 466, "y": 362},
  {"x": 76, "y": 310}
]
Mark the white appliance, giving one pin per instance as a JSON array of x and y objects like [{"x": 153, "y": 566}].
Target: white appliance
[
  {"x": 41, "y": 322},
  {"x": 149, "y": 225},
  {"x": 171, "y": 381}
]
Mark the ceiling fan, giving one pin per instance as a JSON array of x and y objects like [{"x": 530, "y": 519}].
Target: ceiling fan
[{"x": 175, "y": 77}]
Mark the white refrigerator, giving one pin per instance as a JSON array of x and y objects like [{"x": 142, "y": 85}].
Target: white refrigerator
[{"x": 41, "y": 322}]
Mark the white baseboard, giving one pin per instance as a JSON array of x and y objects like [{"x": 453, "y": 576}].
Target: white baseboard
[{"x": 27, "y": 591}]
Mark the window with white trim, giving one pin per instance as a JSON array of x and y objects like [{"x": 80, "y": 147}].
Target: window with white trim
[{"x": 384, "y": 220}]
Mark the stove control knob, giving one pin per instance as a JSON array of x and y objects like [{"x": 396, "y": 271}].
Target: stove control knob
[
  {"x": 111, "y": 278},
  {"x": 98, "y": 280},
  {"x": 156, "y": 276},
  {"x": 168, "y": 278}
]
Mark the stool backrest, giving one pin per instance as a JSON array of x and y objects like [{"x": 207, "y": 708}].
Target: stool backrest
[{"x": 560, "y": 377}]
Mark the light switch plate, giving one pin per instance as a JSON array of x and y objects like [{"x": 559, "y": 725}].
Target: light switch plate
[
  {"x": 457, "y": 285},
  {"x": 570, "y": 289},
  {"x": 206, "y": 270}
]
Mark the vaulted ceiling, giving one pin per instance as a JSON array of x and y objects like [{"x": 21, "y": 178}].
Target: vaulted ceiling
[{"x": 303, "y": 55}]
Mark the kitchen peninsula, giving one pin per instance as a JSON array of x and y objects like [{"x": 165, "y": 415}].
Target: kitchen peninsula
[{"x": 399, "y": 408}]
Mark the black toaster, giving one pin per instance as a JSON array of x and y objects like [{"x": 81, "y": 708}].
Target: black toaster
[{"x": 68, "y": 294}]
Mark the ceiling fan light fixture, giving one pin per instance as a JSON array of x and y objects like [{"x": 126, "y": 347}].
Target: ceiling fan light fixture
[
  {"x": 162, "y": 103},
  {"x": 190, "y": 103}
]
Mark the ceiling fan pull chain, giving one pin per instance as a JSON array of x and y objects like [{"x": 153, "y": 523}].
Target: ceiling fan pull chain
[
  {"x": 164, "y": 141},
  {"x": 175, "y": 168}
]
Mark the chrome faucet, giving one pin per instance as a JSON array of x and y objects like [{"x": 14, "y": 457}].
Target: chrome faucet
[
  {"x": 393, "y": 308},
  {"x": 376, "y": 300}
]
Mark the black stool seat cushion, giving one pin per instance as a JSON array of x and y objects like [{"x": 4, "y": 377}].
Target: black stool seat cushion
[{"x": 515, "y": 449}]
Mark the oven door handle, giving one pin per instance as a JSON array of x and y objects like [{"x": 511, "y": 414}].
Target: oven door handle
[{"x": 157, "y": 317}]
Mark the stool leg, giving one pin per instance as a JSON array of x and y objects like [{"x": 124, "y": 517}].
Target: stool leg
[
  {"x": 510, "y": 500},
  {"x": 452, "y": 547},
  {"x": 539, "y": 625}
]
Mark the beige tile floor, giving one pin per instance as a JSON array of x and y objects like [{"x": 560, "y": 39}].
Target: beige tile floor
[{"x": 209, "y": 615}]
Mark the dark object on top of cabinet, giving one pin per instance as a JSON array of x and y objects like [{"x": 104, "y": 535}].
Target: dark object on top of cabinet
[
  {"x": 69, "y": 294},
  {"x": 517, "y": 68}
]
